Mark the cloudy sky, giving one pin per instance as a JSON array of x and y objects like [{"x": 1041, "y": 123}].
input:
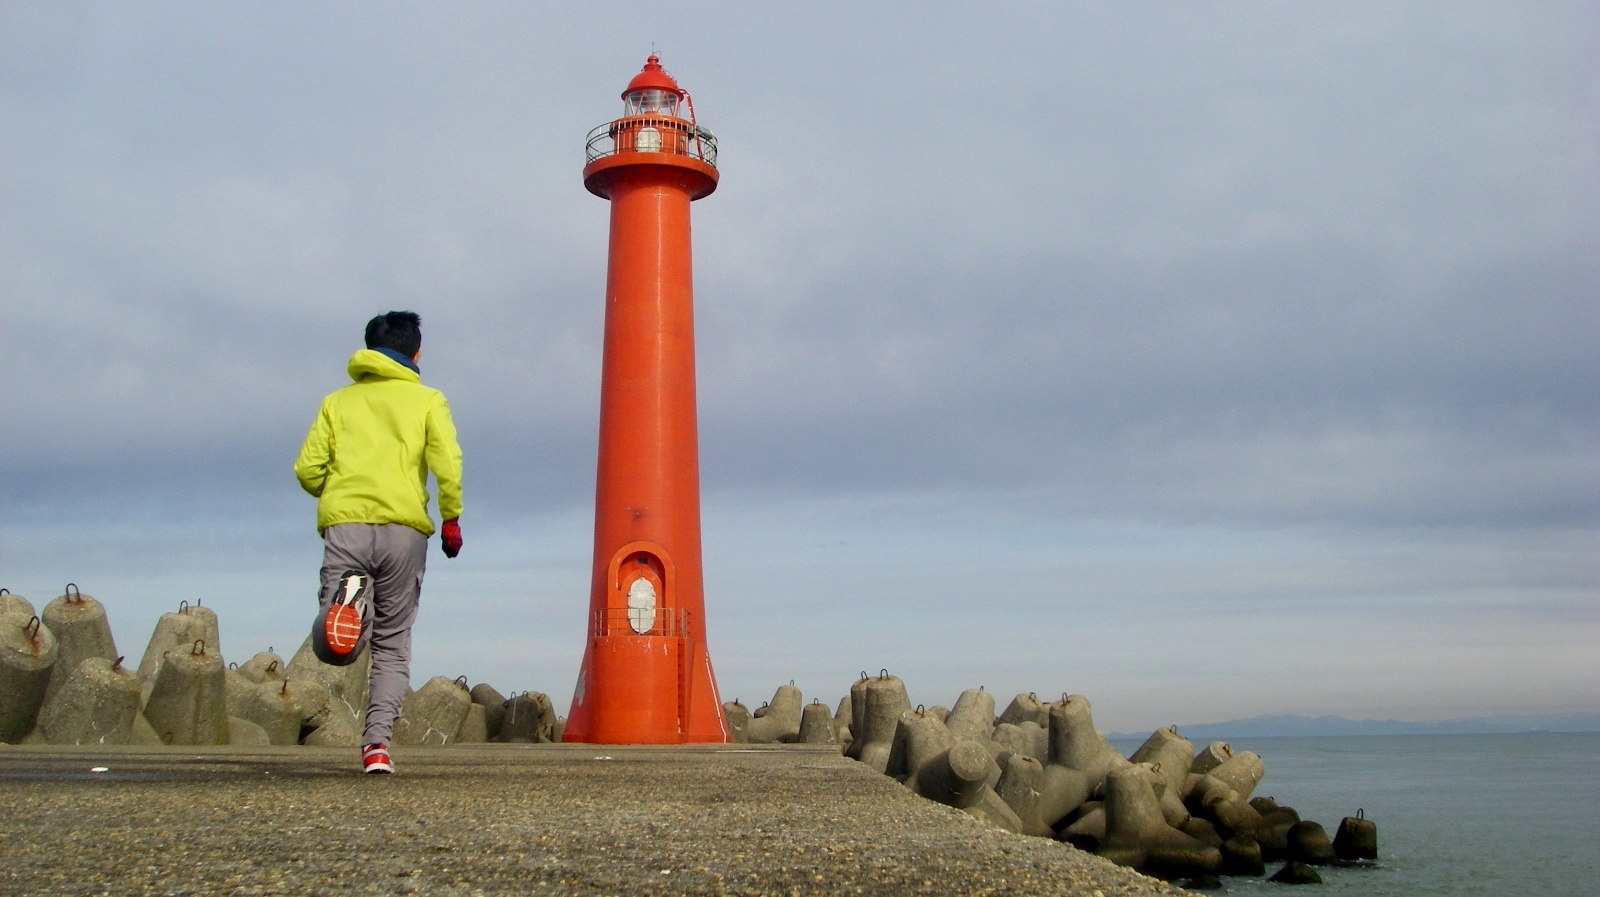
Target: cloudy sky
[{"x": 1207, "y": 359}]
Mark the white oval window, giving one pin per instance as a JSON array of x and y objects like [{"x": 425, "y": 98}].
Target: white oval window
[
  {"x": 642, "y": 606},
  {"x": 648, "y": 140}
]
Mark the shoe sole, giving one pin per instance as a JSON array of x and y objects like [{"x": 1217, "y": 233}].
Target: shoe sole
[{"x": 343, "y": 626}]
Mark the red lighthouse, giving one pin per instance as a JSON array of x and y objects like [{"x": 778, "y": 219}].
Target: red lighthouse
[{"x": 646, "y": 675}]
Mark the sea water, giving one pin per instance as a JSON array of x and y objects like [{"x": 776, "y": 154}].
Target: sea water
[{"x": 1459, "y": 815}]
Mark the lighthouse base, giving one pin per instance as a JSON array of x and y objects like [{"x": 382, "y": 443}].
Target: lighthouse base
[{"x": 646, "y": 690}]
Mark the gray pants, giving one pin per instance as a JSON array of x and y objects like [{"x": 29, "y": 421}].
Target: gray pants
[{"x": 395, "y": 556}]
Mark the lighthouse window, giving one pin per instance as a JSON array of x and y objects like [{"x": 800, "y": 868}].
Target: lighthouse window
[
  {"x": 648, "y": 140},
  {"x": 651, "y": 102}
]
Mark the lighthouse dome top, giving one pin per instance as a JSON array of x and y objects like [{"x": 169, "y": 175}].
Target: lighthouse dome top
[
  {"x": 652, "y": 91},
  {"x": 652, "y": 77}
]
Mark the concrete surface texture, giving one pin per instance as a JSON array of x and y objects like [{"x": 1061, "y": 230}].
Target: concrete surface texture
[{"x": 506, "y": 819}]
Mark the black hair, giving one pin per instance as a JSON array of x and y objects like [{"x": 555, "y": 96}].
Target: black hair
[{"x": 397, "y": 330}]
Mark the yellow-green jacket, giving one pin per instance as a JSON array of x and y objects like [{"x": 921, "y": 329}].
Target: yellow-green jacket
[{"x": 369, "y": 451}]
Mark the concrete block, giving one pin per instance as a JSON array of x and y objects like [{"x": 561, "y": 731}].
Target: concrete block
[
  {"x": 529, "y": 718},
  {"x": 1357, "y": 838},
  {"x": 1138, "y": 836},
  {"x": 918, "y": 737},
  {"x": 475, "y": 728},
  {"x": 27, "y": 652},
  {"x": 15, "y": 604},
  {"x": 1242, "y": 772},
  {"x": 738, "y": 717},
  {"x": 244, "y": 733},
  {"x": 991, "y": 809},
  {"x": 264, "y": 666},
  {"x": 779, "y": 720},
  {"x": 1210, "y": 757},
  {"x": 1021, "y": 787},
  {"x": 143, "y": 733},
  {"x": 1076, "y": 744},
  {"x": 841, "y": 720},
  {"x": 1308, "y": 842},
  {"x": 493, "y": 704},
  {"x": 188, "y": 701},
  {"x": 858, "y": 716},
  {"x": 956, "y": 776},
  {"x": 174, "y": 632},
  {"x": 339, "y": 730},
  {"x": 1171, "y": 753},
  {"x": 1022, "y": 708},
  {"x": 271, "y": 705},
  {"x": 325, "y": 691},
  {"x": 97, "y": 704},
  {"x": 82, "y": 631},
  {"x": 972, "y": 716},
  {"x": 1296, "y": 873},
  {"x": 433, "y": 714},
  {"x": 816, "y": 725},
  {"x": 1241, "y": 855},
  {"x": 884, "y": 702}
]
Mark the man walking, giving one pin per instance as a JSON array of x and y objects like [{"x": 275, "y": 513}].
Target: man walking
[{"x": 367, "y": 459}]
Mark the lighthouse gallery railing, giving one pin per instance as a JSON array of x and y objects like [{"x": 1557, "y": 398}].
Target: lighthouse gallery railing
[{"x": 681, "y": 138}]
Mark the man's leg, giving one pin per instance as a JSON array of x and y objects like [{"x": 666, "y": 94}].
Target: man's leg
[
  {"x": 400, "y": 556},
  {"x": 345, "y": 547}
]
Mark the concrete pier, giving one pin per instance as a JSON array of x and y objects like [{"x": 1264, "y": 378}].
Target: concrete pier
[{"x": 506, "y": 819}]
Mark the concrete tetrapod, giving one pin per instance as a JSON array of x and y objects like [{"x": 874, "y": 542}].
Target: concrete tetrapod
[
  {"x": 475, "y": 728},
  {"x": 778, "y": 721},
  {"x": 188, "y": 697},
  {"x": 884, "y": 702},
  {"x": 82, "y": 631},
  {"x": 433, "y": 714},
  {"x": 841, "y": 721},
  {"x": 972, "y": 716},
  {"x": 244, "y": 733},
  {"x": 265, "y": 666},
  {"x": 1357, "y": 838},
  {"x": 1025, "y": 707},
  {"x": 27, "y": 652},
  {"x": 1076, "y": 744},
  {"x": 15, "y": 604},
  {"x": 956, "y": 776},
  {"x": 327, "y": 693},
  {"x": 97, "y": 704},
  {"x": 1021, "y": 786},
  {"x": 738, "y": 717},
  {"x": 1210, "y": 757},
  {"x": 858, "y": 716},
  {"x": 494, "y": 710},
  {"x": 529, "y": 718},
  {"x": 816, "y": 725},
  {"x": 177, "y": 631},
  {"x": 272, "y": 706},
  {"x": 1308, "y": 842},
  {"x": 917, "y": 738},
  {"x": 1139, "y": 837}
]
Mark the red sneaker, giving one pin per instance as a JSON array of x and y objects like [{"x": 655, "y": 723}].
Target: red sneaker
[
  {"x": 375, "y": 759},
  {"x": 342, "y": 626}
]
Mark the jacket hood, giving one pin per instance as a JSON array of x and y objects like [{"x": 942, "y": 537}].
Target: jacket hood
[{"x": 368, "y": 363}]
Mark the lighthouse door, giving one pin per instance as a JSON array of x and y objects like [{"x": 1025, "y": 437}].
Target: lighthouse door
[{"x": 642, "y": 605}]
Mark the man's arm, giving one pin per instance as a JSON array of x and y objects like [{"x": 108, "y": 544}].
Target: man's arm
[
  {"x": 316, "y": 454},
  {"x": 443, "y": 455}
]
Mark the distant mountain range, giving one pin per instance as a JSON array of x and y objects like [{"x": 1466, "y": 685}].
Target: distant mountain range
[{"x": 1292, "y": 726}]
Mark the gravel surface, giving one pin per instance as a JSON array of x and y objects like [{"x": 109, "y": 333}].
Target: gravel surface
[{"x": 505, "y": 819}]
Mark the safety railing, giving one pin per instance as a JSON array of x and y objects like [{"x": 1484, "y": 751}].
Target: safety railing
[
  {"x": 672, "y": 622},
  {"x": 651, "y": 134}
]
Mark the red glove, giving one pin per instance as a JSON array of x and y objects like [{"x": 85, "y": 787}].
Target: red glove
[{"x": 450, "y": 537}]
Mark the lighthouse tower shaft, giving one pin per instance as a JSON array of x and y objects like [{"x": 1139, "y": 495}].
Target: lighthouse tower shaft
[{"x": 646, "y": 676}]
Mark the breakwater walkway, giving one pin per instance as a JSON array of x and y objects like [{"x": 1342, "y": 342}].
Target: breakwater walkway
[{"x": 505, "y": 819}]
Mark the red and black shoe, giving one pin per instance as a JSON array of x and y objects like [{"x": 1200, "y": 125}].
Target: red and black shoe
[
  {"x": 375, "y": 759},
  {"x": 337, "y": 635}
]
